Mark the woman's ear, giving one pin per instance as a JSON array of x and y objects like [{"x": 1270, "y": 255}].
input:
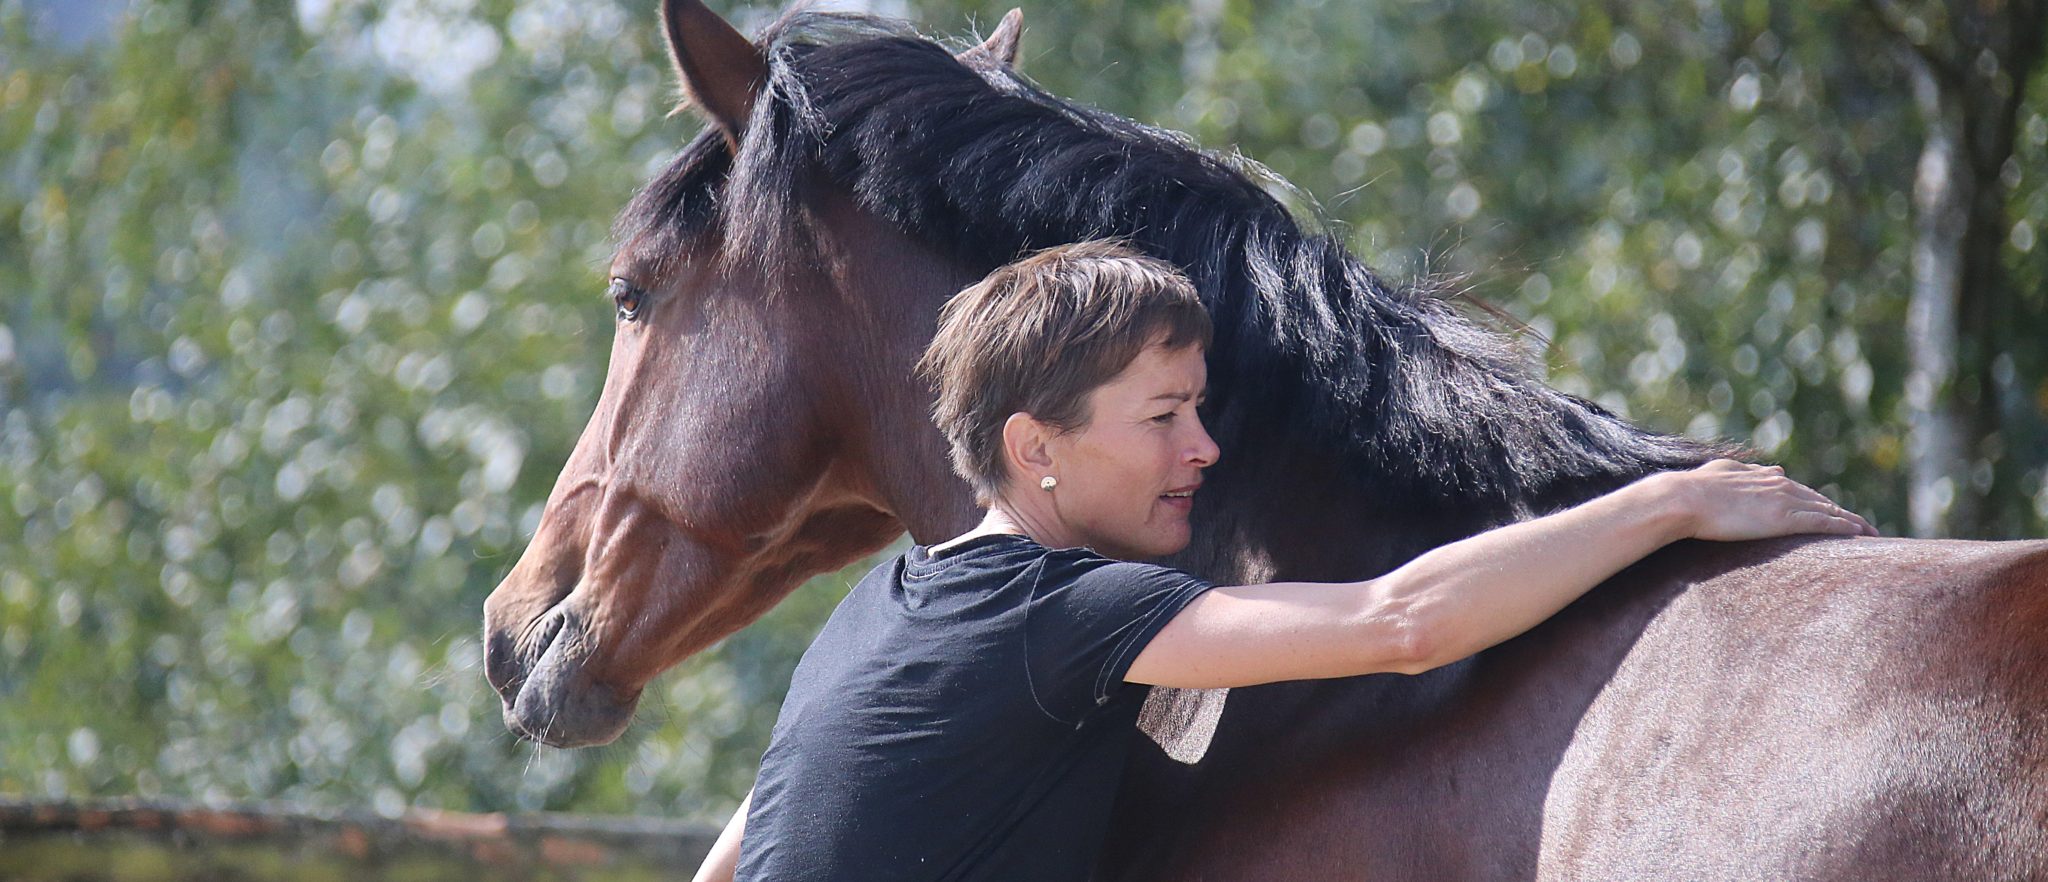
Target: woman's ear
[{"x": 1027, "y": 447}]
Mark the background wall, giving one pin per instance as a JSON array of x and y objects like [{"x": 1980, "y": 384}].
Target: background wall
[{"x": 301, "y": 309}]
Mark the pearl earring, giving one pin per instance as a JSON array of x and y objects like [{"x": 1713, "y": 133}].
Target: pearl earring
[{"x": 1047, "y": 483}]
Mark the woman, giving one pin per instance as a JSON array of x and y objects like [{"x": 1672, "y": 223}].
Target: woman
[{"x": 966, "y": 711}]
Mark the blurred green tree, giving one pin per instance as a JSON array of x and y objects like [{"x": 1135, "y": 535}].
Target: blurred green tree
[
  {"x": 305, "y": 307},
  {"x": 303, "y": 310}
]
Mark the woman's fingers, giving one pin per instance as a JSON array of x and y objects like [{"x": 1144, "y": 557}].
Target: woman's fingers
[
  {"x": 1834, "y": 509},
  {"x": 1812, "y": 520},
  {"x": 1842, "y": 520},
  {"x": 1841, "y": 526}
]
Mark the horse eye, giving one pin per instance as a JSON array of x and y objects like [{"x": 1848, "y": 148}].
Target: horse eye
[{"x": 626, "y": 298}]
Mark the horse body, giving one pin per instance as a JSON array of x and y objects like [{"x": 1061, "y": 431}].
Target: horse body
[
  {"x": 1794, "y": 709},
  {"x": 1790, "y": 709}
]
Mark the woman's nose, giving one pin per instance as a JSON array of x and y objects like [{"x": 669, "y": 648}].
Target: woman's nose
[{"x": 1202, "y": 453}]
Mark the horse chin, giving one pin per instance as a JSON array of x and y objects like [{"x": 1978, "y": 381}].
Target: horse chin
[{"x": 560, "y": 706}]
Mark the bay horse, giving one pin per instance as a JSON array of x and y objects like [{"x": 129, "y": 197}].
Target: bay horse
[{"x": 1801, "y": 708}]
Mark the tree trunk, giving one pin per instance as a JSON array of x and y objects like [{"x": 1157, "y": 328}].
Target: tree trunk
[
  {"x": 1942, "y": 190},
  {"x": 1199, "y": 55},
  {"x": 1969, "y": 85}
]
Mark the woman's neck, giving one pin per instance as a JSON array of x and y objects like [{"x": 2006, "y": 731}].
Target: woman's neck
[{"x": 1003, "y": 518}]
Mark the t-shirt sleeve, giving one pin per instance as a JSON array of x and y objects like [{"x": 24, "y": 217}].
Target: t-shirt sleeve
[{"x": 1087, "y": 621}]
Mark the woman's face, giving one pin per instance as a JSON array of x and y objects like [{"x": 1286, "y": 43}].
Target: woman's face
[{"x": 1127, "y": 478}]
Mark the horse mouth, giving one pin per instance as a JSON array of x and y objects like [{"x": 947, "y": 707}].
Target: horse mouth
[{"x": 547, "y": 692}]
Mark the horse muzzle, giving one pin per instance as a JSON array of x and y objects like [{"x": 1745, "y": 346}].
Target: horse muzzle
[{"x": 545, "y": 686}]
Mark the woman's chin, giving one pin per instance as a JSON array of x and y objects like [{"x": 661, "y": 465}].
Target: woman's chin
[
  {"x": 1164, "y": 534},
  {"x": 1167, "y": 542}
]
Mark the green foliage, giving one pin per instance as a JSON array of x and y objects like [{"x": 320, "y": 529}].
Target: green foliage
[
  {"x": 303, "y": 310},
  {"x": 293, "y": 347}
]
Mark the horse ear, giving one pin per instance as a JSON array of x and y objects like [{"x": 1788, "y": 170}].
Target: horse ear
[
  {"x": 720, "y": 69},
  {"x": 1000, "y": 49}
]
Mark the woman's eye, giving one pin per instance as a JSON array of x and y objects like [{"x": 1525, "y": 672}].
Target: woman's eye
[
  {"x": 626, "y": 299},
  {"x": 1166, "y": 417}
]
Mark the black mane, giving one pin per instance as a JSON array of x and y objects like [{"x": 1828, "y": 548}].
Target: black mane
[{"x": 1429, "y": 407}]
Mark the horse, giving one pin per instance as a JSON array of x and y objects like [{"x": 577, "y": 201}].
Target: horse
[{"x": 1796, "y": 708}]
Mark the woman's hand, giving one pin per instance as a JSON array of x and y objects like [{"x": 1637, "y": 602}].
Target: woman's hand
[{"x": 1728, "y": 501}]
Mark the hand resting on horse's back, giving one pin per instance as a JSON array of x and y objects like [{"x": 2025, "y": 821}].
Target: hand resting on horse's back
[
  {"x": 1729, "y": 501},
  {"x": 1464, "y": 597}
]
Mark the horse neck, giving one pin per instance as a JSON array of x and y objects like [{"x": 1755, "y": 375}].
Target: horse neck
[
  {"x": 890, "y": 288},
  {"x": 1282, "y": 503},
  {"x": 1396, "y": 425}
]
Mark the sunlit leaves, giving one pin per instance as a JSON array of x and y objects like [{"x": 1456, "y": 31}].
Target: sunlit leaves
[{"x": 291, "y": 351}]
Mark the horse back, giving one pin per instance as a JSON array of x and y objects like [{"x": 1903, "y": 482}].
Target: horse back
[
  {"x": 1792, "y": 709},
  {"x": 1818, "y": 710}
]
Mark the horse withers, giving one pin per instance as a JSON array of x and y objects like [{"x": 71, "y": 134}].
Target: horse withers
[{"x": 1811, "y": 709}]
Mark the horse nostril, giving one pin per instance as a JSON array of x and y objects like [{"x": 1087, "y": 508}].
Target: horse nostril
[
  {"x": 548, "y": 628},
  {"x": 501, "y": 665},
  {"x": 507, "y": 666}
]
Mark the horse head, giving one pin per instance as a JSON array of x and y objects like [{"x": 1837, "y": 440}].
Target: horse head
[{"x": 759, "y": 422}]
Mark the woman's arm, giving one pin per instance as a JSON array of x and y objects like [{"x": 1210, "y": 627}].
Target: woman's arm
[
  {"x": 724, "y": 857},
  {"x": 1464, "y": 597}
]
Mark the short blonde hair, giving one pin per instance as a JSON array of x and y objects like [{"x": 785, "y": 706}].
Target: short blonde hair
[{"x": 1038, "y": 335}]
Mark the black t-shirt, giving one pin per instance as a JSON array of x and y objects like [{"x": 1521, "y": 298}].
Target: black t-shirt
[{"x": 960, "y": 717}]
